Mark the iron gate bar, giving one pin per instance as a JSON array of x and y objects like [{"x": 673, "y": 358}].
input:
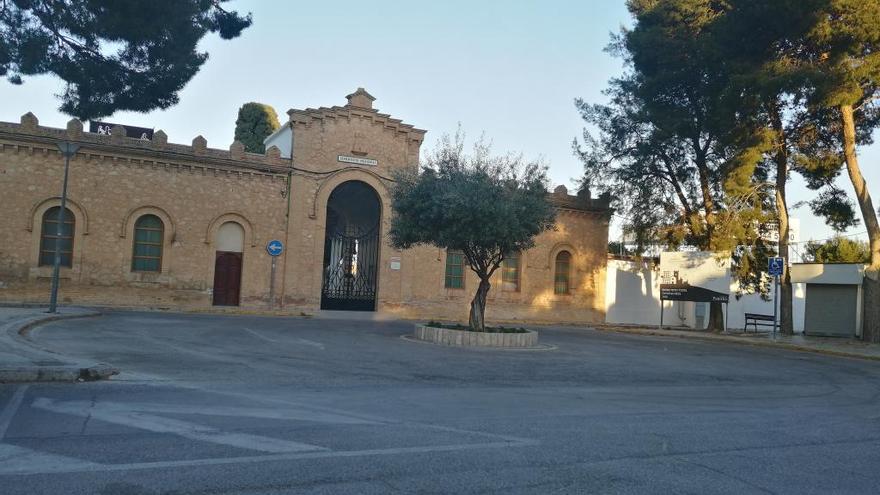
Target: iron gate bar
[{"x": 350, "y": 267}]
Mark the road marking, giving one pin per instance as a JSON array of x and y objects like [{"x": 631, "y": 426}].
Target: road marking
[
  {"x": 297, "y": 340},
  {"x": 78, "y": 466},
  {"x": 315, "y": 409},
  {"x": 246, "y": 412},
  {"x": 112, "y": 413},
  {"x": 19, "y": 460},
  {"x": 10, "y": 410},
  {"x": 260, "y": 336},
  {"x": 310, "y": 342}
]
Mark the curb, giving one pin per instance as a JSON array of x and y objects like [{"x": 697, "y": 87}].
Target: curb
[
  {"x": 739, "y": 341},
  {"x": 16, "y": 335}
]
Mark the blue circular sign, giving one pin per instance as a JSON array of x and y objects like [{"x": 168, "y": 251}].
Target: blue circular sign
[{"x": 274, "y": 248}]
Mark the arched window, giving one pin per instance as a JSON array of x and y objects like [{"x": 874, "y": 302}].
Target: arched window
[
  {"x": 148, "y": 237},
  {"x": 562, "y": 277},
  {"x": 49, "y": 237}
]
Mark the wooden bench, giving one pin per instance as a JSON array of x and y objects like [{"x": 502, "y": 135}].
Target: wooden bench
[{"x": 759, "y": 319}]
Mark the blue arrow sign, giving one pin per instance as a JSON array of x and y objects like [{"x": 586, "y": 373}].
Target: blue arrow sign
[
  {"x": 275, "y": 248},
  {"x": 775, "y": 266}
]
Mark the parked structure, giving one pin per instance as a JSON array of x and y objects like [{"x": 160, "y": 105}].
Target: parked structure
[
  {"x": 834, "y": 297},
  {"x": 155, "y": 224}
]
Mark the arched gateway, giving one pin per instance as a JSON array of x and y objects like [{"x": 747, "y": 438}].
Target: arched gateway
[{"x": 351, "y": 248}]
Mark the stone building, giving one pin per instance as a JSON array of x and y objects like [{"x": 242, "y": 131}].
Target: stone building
[{"x": 161, "y": 225}]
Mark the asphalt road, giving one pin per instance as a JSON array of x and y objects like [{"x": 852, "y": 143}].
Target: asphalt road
[{"x": 237, "y": 404}]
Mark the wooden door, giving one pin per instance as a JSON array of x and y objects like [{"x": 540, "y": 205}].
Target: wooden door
[{"x": 227, "y": 278}]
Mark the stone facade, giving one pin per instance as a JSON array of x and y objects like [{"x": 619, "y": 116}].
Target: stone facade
[{"x": 194, "y": 190}]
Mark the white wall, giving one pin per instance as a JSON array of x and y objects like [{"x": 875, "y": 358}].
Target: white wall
[
  {"x": 632, "y": 296},
  {"x": 632, "y": 293},
  {"x": 283, "y": 139}
]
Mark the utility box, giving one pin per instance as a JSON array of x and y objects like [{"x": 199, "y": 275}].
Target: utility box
[{"x": 834, "y": 298}]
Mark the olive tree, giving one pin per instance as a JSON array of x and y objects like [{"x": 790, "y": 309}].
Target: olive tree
[{"x": 483, "y": 205}]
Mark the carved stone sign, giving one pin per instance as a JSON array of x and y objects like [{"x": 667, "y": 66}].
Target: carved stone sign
[{"x": 357, "y": 160}]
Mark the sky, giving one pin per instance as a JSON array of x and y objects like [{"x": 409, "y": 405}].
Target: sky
[{"x": 507, "y": 69}]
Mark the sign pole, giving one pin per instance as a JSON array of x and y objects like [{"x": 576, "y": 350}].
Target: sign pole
[
  {"x": 274, "y": 248},
  {"x": 726, "y": 316},
  {"x": 775, "y": 303},
  {"x": 272, "y": 285},
  {"x": 775, "y": 268},
  {"x": 661, "y": 315},
  {"x": 67, "y": 150}
]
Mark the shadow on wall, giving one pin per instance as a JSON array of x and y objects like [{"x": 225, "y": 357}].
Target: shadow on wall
[{"x": 633, "y": 293}]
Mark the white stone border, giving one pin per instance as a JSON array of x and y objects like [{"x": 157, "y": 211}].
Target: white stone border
[{"x": 466, "y": 338}]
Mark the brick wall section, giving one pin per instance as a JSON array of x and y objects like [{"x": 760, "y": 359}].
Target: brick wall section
[
  {"x": 194, "y": 188},
  {"x": 113, "y": 180}
]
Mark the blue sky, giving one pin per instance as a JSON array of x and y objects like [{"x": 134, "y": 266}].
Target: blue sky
[{"x": 510, "y": 69}]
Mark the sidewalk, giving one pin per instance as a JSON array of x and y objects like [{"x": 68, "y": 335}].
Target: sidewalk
[
  {"x": 22, "y": 361},
  {"x": 821, "y": 345}
]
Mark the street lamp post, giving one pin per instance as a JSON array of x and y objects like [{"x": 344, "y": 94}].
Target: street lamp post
[{"x": 67, "y": 149}]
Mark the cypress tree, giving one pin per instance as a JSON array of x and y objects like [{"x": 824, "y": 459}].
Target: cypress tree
[{"x": 256, "y": 122}]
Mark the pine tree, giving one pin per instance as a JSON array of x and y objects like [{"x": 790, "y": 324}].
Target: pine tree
[
  {"x": 671, "y": 143},
  {"x": 112, "y": 55}
]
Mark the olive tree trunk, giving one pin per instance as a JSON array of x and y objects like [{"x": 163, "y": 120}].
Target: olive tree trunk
[
  {"x": 871, "y": 304},
  {"x": 477, "y": 320}
]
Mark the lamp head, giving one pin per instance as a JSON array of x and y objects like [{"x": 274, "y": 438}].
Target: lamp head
[{"x": 67, "y": 148}]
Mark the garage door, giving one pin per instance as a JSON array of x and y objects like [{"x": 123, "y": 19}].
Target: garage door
[{"x": 831, "y": 310}]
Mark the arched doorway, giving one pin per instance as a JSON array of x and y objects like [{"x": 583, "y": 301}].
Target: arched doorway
[
  {"x": 227, "y": 264},
  {"x": 351, "y": 248}
]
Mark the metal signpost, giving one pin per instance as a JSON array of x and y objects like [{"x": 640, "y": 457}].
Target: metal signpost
[
  {"x": 775, "y": 267},
  {"x": 274, "y": 248},
  {"x": 67, "y": 150}
]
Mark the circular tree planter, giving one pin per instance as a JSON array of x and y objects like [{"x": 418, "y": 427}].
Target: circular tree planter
[{"x": 467, "y": 338}]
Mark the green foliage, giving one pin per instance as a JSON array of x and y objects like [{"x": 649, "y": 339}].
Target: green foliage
[
  {"x": 672, "y": 145},
  {"x": 485, "y": 206},
  {"x": 255, "y": 123},
  {"x": 839, "y": 250},
  {"x": 835, "y": 206},
  {"x": 619, "y": 248},
  {"x": 838, "y": 53},
  {"x": 112, "y": 55},
  {"x": 802, "y": 68}
]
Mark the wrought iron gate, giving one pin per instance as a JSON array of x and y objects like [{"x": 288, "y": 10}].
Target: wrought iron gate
[{"x": 351, "y": 255}]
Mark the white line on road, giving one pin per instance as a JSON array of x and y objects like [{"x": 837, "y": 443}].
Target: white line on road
[
  {"x": 20, "y": 460},
  {"x": 113, "y": 413},
  {"x": 297, "y": 339},
  {"x": 288, "y": 413},
  {"x": 10, "y": 410},
  {"x": 76, "y": 468},
  {"x": 310, "y": 342},
  {"x": 260, "y": 336}
]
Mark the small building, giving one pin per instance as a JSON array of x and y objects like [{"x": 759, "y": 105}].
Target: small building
[
  {"x": 834, "y": 297},
  {"x": 154, "y": 224}
]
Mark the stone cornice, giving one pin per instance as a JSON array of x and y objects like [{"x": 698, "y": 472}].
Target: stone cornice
[
  {"x": 31, "y": 135},
  {"x": 347, "y": 112},
  {"x": 580, "y": 203}
]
